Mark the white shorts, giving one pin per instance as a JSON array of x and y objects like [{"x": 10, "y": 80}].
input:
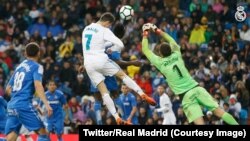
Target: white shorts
[{"x": 98, "y": 71}]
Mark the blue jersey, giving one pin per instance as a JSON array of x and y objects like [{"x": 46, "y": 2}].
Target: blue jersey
[
  {"x": 3, "y": 106},
  {"x": 128, "y": 102},
  {"x": 110, "y": 81},
  {"x": 56, "y": 101},
  {"x": 22, "y": 83},
  {"x": 115, "y": 56},
  {"x": 3, "y": 114}
]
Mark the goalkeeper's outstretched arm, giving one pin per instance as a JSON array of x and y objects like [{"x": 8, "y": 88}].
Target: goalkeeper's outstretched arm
[
  {"x": 154, "y": 59},
  {"x": 174, "y": 46}
]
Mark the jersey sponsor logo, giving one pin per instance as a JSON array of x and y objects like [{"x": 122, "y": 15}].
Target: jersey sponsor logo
[
  {"x": 126, "y": 103},
  {"x": 54, "y": 102},
  {"x": 12, "y": 112}
]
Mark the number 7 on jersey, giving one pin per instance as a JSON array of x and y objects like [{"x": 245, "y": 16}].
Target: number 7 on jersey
[{"x": 89, "y": 37}]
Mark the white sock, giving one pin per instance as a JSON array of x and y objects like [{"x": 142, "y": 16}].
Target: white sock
[
  {"x": 110, "y": 105},
  {"x": 132, "y": 85}
]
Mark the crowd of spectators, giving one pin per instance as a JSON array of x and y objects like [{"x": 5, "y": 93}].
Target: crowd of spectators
[{"x": 215, "y": 48}]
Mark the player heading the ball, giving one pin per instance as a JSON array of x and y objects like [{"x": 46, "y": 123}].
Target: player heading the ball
[{"x": 98, "y": 65}]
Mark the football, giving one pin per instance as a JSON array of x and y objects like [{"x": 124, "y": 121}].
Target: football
[{"x": 126, "y": 12}]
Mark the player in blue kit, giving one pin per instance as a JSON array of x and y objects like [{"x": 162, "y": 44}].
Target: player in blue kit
[
  {"x": 129, "y": 105},
  {"x": 3, "y": 106},
  {"x": 110, "y": 81},
  {"x": 57, "y": 101},
  {"x": 25, "y": 81}
]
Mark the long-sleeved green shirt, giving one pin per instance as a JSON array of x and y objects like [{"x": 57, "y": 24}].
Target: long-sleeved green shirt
[{"x": 172, "y": 67}]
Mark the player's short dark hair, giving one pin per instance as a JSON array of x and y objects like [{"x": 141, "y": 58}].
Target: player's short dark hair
[
  {"x": 107, "y": 17},
  {"x": 119, "y": 30},
  {"x": 32, "y": 49},
  {"x": 52, "y": 81},
  {"x": 165, "y": 49}
]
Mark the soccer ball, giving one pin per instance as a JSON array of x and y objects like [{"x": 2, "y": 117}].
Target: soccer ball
[{"x": 126, "y": 12}]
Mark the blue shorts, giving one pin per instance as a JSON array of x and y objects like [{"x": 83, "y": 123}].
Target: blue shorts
[
  {"x": 110, "y": 82},
  {"x": 2, "y": 125},
  {"x": 27, "y": 116},
  {"x": 56, "y": 126}
]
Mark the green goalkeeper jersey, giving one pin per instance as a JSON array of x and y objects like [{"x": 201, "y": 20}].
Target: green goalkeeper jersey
[{"x": 172, "y": 67}]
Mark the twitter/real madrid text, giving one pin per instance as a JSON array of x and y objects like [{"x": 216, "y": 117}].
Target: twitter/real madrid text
[{"x": 165, "y": 132}]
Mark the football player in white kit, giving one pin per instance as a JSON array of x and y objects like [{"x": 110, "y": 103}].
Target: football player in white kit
[
  {"x": 98, "y": 65},
  {"x": 165, "y": 108}
]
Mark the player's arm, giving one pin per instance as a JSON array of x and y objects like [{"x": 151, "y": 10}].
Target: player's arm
[
  {"x": 134, "y": 109},
  {"x": 174, "y": 46},
  {"x": 132, "y": 113},
  {"x": 165, "y": 108},
  {"x": 8, "y": 90},
  {"x": 115, "y": 56},
  {"x": 40, "y": 93},
  {"x": 166, "y": 103},
  {"x": 63, "y": 100},
  {"x": 148, "y": 53},
  {"x": 9, "y": 86},
  {"x": 128, "y": 63},
  {"x": 39, "y": 110},
  {"x": 109, "y": 36},
  {"x": 37, "y": 76}
]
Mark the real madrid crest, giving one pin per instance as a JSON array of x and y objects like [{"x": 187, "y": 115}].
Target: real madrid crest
[{"x": 240, "y": 15}]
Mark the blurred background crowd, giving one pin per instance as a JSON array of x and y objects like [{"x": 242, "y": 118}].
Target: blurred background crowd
[{"x": 215, "y": 48}]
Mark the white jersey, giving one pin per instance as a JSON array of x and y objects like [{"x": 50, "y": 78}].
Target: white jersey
[
  {"x": 94, "y": 37},
  {"x": 166, "y": 109}
]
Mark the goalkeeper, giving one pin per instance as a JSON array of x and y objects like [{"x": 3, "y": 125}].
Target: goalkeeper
[{"x": 170, "y": 64}]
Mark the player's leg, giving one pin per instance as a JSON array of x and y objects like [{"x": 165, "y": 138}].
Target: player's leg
[
  {"x": 12, "y": 136},
  {"x": 117, "y": 100},
  {"x": 28, "y": 138},
  {"x": 108, "y": 101},
  {"x": 43, "y": 135},
  {"x": 113, "y": 88},
  {"x": 132, "y": 85},
  {"x": 26, "y": 133},
  {"x": 229, "y": 119},
  {"x": 97, "y": 79},
  {"x": 192, "y": 108},
  {"x": 111, "y": 69},
  {"x": 59, "y": 129},
  {"x": 13, "y": 125},
  {"x": 97, "y": 103},
  {"x": 30, "y": 119},
  {"x": 165, "y": 121},
  {"x": 98, "y": 107},
  {"x": 49, "y": 126},
  {"x": 172, "y": 119},
  {"x": 207, "y": 100}
]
